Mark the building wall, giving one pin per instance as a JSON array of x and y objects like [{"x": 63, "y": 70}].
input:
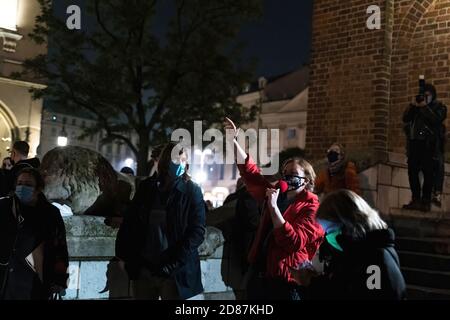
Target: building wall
[
  {"x": 19, "y": 114},
  {"x": 362, "y": 80},
  {"x": 349, "y": 77},
  {"x": 421, "y": 45},
  {"x": 51, "y": 128}
]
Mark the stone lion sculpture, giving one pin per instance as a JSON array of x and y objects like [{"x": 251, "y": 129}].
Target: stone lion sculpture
[{"x": 84, "y": 180}]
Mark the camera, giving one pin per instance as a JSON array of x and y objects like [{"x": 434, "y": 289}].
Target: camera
[{"x": 421, "y": 96}]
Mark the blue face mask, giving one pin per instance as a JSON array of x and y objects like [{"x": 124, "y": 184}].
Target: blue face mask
[
  {"x": 329, "y": 226},
  {"x": 25, "y": 194},
  {"x": 176, "y": 170}
]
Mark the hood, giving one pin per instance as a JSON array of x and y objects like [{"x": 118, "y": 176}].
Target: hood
[
  {"x": 33, "y": 162},
  {"x": 429, "y": 87},
  {"x": 374, "y": 239}
]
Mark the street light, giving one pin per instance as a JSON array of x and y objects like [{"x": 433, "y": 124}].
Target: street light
[
  {"x": 201, "y": 176},
  {"x": 62, "y": 138},
  {"x": 129, "y": 162},
  {"x": 8, "y": 15}
]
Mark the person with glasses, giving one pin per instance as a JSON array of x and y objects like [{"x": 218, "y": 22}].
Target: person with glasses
[
  {"x": 340, "y": 173},
  {"x": 288, "y": 233}
]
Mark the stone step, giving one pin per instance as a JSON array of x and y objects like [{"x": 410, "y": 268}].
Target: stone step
[
  {"x": 438, "y": 246},
  {"x": 416, "y": 224},
  {"x": 427, "y": 261},
  {"x": 427, "y": 278},
  {"x": 424, "y": 293}
]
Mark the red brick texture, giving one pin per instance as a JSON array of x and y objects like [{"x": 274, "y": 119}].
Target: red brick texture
[{"x": 361, "y": 80}]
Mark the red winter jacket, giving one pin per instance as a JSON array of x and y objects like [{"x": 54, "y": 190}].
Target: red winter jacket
[{"x": 293, "y": 243}]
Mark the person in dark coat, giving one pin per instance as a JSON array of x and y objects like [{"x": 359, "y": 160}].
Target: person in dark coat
[
  {"x": 245, "y": 222},
  {"x": 439, "y": 168},
  {"x": 423, "y": 126},
  {"x": 19, "y": 157},
  {"x": 359, "y": 254},
  {"x": 33, "y": 249},
  {"x": 161, "y": 232}
]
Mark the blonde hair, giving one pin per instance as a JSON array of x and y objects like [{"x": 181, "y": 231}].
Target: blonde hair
[
  {"x": 310, "y": 174},
  {"x": 357, "y": 216}
]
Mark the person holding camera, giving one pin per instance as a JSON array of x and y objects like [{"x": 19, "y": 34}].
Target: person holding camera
[{"x": 423, "y": 124}]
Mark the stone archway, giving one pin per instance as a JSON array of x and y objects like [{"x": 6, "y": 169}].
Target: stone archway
[
  {"x": 8, "y": 130},
  {"x": 410, "y": 20}
]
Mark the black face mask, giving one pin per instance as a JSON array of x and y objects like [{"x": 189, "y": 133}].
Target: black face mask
[
  {"x": 332, "y": 156},
  {"x": 294, "y": 182}
]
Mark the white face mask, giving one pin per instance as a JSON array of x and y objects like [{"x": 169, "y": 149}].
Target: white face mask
[{"x": 429, "y": 99}]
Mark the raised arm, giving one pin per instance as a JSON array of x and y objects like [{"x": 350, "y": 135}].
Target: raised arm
[{"x": 249, "y": 171}]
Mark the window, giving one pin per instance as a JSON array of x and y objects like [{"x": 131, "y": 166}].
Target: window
[
  {"x": 74, "y": 122},
  {"x": 54, "y": 132},
  {"x": 109, "y": 149},
  {"x": 119, "y": 148},
  {"x": 83, "y": 124},
  {"x": 222, "y": 171},
  {"x": 234, "y": 173},
  {"x": 291, "y": 133},
  {"x": 8, "y": 14}
]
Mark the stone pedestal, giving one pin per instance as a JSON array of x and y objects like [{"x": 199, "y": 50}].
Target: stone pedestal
[
  {"x": 386, "y": 187},
  {"x": 94, "y": 276}
]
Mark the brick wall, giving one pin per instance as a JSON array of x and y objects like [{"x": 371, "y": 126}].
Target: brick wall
[
  {"x": 349, "y": 81},
  {"x": 421, "y": 46},
  {"x": 362, "y": 80}
]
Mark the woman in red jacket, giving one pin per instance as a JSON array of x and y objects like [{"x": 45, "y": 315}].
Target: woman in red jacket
[{"x": 288, "y": 233}]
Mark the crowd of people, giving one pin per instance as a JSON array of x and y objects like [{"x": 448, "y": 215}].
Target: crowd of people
[
  {"x": 349, "y": 235},
  {"x": 282, "y": 225}
]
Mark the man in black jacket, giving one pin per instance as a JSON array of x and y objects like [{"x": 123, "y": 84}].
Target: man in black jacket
[
  {"x": 161, "y": 232},
  {"x": 423, "y": 124}
]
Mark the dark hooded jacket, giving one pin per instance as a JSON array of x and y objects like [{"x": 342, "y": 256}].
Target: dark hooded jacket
[
  {"x": 348, "y": 272},
  {"x": 33, "y": 250},
  {"x": 425, "y": 123}
]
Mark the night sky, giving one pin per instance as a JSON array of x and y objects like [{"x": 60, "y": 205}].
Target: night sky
[{"x": 280, "y": 41}]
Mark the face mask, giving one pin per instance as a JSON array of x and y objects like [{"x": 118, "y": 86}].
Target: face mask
[
  {"x": 176, "y": 170},
  {"x": 329, "y": 226},
  {"x": 332, "y": 156},
  {"x": 429, "y": 99},
  {"x": 24, "y": 193},
  {"x": 294, "y": 182}
]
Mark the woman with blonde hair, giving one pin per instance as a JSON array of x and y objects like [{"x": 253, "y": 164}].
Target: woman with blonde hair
[{"x": 358, "y": 253}]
